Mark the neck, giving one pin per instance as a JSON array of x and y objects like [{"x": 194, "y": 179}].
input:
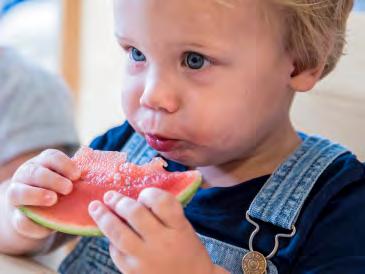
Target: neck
[{"x": 264, "y": 160}]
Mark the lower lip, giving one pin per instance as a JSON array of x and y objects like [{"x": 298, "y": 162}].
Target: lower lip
[{"x": 161, "y": 144}]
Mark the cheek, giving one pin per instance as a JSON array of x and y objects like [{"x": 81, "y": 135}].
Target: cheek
[
  {"x": 225, "y": 117},
  {"x": 275, "y": 96},
  {"x": 130, "y": 97}
]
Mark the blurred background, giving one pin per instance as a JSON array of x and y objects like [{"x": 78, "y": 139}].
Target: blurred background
[{"x": 74, "y": 38}]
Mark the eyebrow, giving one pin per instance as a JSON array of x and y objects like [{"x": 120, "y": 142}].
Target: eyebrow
[
  {"x": 197, "y": 45},
  {"x": 207, "y": 46},
  {"x": 123, "y": 39}
]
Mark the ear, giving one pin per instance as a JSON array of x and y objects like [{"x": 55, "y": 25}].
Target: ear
[{"x": 305, "y": 80}]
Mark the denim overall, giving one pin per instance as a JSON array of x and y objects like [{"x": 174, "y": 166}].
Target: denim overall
[{"x": 279, "y": 202}]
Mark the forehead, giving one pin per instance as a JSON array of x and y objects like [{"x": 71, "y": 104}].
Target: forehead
[{"x": 186, "y": 17}]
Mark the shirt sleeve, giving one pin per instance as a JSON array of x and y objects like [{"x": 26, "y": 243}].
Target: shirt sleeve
[{"x": 337, "y": 242}]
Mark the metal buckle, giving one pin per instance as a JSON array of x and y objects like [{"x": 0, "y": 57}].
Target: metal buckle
[{"x": 257, "y": 229}]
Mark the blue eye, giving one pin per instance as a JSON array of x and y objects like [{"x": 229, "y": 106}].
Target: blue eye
[
  {"x": 194, "y": 60},
  {"x": 137, "y": 55}
]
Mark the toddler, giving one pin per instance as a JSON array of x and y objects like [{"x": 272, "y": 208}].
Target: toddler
[{"x": 208, "y": 86}]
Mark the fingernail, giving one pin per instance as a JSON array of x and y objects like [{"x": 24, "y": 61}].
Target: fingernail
[
  {"x": 76, "y": 174},
  {"x": 50, "y": 198},
  {"x": 67, "y": 188},
  {"x": 94, "y": 207},
  {"x": 109, "y": 196}
]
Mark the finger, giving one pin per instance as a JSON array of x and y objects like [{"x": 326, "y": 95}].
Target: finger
[
  {"x": 165, "y": 206},
  {"x": 118, "y": 233},
  {"x": 27, "y": 228},
  {"x": 139, "y": 217},
  {"x": 22, "y": 194},
  {"x": 59, "y": 162},
  {"x": 125, "y": 264},
  {"x": 36, "y": 175}
]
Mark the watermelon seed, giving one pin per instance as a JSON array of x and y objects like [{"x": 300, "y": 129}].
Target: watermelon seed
[{"x": 117, "y": 178}]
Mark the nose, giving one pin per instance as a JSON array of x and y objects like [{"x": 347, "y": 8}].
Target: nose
[{"x": 159, "y": 94}]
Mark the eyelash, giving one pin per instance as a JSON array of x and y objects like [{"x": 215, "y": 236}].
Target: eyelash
[{"x": 207, "y": 61}]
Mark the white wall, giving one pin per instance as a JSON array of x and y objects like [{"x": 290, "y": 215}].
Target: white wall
[
  {"x": 101, "y": 65},
  {"x": 33, "y": 28}
]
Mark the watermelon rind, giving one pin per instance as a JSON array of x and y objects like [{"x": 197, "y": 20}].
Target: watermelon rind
[
  {"x": 183, "y": 197},
  {"x": 91, "y": 231},
  {"x": 188, "y": 193}
]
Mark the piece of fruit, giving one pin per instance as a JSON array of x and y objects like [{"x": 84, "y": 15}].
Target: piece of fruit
[{"x": 102, "y": 171}]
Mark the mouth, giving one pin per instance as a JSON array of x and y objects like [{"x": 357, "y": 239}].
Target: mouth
[{"x": 161, "y": 143}]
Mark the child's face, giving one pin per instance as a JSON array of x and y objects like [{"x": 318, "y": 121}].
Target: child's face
[{"x": 211, "y": 77}]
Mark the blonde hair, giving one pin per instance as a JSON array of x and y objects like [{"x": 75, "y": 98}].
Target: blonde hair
[{"x": 315, "y": 31}]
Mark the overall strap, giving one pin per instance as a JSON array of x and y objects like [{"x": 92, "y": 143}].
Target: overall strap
[{"x": 281, "y": 199}]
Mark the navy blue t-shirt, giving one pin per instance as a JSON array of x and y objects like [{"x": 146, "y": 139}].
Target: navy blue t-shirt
[{"x": 330, "y": 236}]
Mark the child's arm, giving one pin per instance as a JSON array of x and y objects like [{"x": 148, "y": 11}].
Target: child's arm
[
  {"x": 34, "y": 183},
  {"x": 154, "y": 236},
  {"x": 7, "y": 169}
]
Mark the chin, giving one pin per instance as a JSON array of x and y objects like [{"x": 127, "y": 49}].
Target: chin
[{"x": 184, "y": 159}]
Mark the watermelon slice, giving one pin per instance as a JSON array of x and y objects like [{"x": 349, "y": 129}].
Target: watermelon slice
[{"x": 102, "y": 171}]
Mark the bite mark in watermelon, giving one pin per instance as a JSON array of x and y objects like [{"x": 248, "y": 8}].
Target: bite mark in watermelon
[{"x": 102, "y": 171}]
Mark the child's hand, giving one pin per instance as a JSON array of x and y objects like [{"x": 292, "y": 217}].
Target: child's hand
[
  {"x": 153, "y": 237},
  {"x": 36, "y": 183}
]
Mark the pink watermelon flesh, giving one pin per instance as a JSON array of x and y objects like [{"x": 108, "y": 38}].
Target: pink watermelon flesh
[{"x": 102, "y": 171}]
